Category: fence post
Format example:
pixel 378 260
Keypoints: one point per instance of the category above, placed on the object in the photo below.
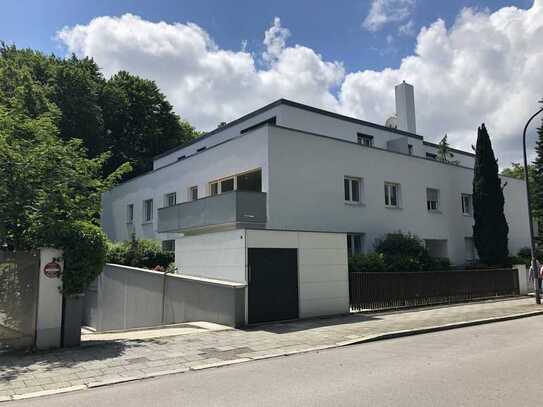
pixel 49 315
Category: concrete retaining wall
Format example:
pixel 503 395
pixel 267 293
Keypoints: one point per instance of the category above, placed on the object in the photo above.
pixel 127 297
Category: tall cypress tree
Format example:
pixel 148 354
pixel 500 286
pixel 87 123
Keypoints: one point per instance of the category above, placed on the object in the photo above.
pixel 537 193
pixel 490 230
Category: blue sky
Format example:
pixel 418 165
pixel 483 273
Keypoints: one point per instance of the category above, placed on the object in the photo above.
pixel 470 61
pixel 331 28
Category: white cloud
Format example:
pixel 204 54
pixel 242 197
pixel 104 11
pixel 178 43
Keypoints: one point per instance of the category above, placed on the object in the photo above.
pixel 387 11
pixel 407 29
pixel 486 67
pixel 206 84
pixel 275 39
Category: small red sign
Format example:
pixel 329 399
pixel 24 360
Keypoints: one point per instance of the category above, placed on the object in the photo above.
pixel 52 270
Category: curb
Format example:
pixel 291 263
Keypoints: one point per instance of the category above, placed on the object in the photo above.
pixel 354 341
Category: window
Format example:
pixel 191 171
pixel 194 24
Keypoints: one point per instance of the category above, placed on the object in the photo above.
pixel 214 188
pixel 432 199
pixel 227 185
pixel 364 140
pixel 392 195
pixel 193 193
pixel 168 245
pixel 467 204
pixel 148 210
pixel 170 199
pixel 250 181
pixel 431 156
pixel 410 149
pixel 355 244
pixel 352 189
pixel 130 213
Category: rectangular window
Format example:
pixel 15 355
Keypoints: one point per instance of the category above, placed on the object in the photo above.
pixel 410 149
pixel 170 199
pixel 130 213
pixel 148 210
pixel 193 193
pixel 168 245
pixel 352 189
pixel 432 199
pixel 467 204
pixel 431 156
pixel 250 181
pixel 355 244
pixel 227 185
pixel 364 140
pixel 214 188
pixel 392 195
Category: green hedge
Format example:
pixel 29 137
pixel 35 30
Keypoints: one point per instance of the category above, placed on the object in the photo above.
pixel 139 253
pixel 84 245
pixel 398 252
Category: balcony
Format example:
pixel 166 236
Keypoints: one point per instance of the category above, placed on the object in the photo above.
pixel 234 209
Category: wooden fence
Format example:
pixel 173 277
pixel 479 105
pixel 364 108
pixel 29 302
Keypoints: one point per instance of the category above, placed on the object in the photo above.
pixel 376 291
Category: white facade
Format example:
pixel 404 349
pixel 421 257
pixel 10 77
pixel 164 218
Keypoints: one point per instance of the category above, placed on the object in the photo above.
pixel 323 285
pixel 304 155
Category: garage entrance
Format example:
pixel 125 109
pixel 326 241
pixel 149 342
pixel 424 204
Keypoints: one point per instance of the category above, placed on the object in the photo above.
pixel 273 284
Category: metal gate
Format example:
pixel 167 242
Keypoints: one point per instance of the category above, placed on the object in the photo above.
pixel 19 276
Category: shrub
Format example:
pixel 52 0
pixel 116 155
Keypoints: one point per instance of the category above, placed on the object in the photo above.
pixel 406 252
pixel 85 247
pixel 139 253
pixel 372 262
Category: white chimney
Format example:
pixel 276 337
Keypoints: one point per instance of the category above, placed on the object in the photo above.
pixel 405 107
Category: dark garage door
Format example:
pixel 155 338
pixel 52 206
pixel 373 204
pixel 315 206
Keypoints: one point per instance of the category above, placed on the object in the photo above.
pixel 273 284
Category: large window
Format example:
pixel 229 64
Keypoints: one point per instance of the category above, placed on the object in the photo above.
pixel 467 204
pixel 364 139
pixel 392 195
pixel 130 213
pixel 170 199
pixel 432 199
pixel 355 244
pixel 248 181
pixel 352 189
pixel 148 210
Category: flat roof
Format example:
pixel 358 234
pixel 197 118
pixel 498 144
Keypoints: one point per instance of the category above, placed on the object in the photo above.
pixel 298 105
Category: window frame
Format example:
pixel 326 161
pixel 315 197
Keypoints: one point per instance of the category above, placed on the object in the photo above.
pixel 147 219
pixel 167 197
pixel 191 194
pixel 470 196
pixel 437 201
pixel 164 246
pixel 364 139
pixel 398 195
pixel 347 179
pixel 351 244
pixel 234 177
pixel 130 213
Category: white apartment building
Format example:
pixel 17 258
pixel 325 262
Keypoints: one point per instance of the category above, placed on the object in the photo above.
pixel 322 185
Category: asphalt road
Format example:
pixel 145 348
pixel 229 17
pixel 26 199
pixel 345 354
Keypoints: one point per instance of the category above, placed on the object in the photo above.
pixel 494 365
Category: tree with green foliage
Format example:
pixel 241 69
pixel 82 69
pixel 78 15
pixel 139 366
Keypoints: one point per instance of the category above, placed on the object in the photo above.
pixel 139 122
pixel 444 153
pixel 125 116
pixel 537 189
pixel 490 231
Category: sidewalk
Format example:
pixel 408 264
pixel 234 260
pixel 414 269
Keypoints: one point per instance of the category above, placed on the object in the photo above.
pixel 113 361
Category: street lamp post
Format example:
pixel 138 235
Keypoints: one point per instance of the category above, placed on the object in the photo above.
pixel 537 280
